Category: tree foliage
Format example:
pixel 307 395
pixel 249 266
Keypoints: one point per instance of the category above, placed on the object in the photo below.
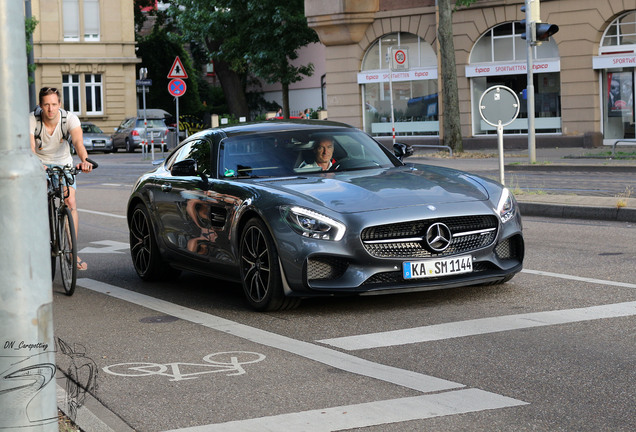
pixel 30 23
pixel 242 37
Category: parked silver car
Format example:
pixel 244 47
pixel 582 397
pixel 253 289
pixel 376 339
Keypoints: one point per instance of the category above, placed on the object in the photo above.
pixel 95 139
pixel 131 132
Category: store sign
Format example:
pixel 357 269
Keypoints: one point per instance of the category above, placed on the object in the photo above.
pixel 516 68
pixel 409 75
pixel 614 61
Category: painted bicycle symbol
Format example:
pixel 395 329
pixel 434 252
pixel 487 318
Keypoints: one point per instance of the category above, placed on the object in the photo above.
pixel 230 362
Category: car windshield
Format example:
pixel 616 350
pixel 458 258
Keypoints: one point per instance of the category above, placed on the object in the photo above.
pixel 288 153
pixel 91 128
pixel 152 123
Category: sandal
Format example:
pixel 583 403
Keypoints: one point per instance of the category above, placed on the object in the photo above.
pixel 81 264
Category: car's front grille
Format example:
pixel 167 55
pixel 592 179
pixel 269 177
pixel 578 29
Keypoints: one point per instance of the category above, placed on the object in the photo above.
pixel 325 268
pixel 510 248
pixel 408 239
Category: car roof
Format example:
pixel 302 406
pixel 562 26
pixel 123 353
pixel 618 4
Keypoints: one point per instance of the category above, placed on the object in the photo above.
pixel 279 126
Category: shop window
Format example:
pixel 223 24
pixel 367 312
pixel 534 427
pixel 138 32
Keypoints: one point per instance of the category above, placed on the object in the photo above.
pixel 499 57
pixel 617 59
pixel 415 104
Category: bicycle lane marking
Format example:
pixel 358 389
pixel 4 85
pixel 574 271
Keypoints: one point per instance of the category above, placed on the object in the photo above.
pixel 453 398
pixel 328 356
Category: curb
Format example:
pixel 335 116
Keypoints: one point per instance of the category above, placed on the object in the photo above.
pixel 579 168
pixel 578 212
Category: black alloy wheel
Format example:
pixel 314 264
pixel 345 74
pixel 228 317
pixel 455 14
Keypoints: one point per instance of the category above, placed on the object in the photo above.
pixel 144 250
pixel 260 272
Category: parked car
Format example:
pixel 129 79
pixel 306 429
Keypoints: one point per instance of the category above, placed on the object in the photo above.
pixel 95 139
pixel 131 132
pixel 243 203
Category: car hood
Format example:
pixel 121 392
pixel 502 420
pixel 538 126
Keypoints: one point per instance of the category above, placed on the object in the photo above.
pixel 379 189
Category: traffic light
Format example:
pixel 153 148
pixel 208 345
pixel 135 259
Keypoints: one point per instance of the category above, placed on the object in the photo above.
pixel 543 31
pixel 538 31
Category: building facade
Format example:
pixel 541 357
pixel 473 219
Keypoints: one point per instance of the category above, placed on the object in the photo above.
pixel 86 48
pixel 583 76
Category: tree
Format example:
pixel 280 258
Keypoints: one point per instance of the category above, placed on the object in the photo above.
pixel 272 51
pixel 247 36
pixel 450 95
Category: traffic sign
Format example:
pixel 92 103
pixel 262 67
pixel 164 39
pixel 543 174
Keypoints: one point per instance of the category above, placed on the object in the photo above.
pixel 177 70
pixel 499 105
pixel 399 58
pixel 177 87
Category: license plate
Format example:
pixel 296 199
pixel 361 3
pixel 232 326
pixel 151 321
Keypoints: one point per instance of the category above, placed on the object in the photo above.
pixel 156 134
pixel 99 143
pixel 437 267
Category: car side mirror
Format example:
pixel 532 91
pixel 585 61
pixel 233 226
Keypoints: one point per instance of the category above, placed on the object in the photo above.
pixel 184 168
pixel 401 150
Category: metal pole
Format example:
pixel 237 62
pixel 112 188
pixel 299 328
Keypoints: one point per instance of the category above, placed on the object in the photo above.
pixel 27 350
pixel 530 87
pixel 500 146
pixel 30 60
pixel 391 94
pixel 177 108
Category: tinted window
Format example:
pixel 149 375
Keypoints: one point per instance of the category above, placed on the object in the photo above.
pixel 199 150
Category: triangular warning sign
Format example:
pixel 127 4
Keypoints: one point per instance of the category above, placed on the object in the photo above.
pixel 177 70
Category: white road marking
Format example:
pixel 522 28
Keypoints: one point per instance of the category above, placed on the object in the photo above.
pixel 368 414
pixel 480 326
pixel 330 357
pixel 110 246
pixel 102 213
pixel 580 279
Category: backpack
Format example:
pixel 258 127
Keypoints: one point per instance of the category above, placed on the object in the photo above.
pixel 37 112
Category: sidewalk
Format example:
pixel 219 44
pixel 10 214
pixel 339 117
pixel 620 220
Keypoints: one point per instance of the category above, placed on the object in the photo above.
pixel 610 208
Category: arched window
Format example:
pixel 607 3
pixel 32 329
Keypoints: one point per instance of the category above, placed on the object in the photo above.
pixel 499 57
pixel 414 89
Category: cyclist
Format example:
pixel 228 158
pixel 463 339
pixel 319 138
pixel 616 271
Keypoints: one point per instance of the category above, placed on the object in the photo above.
pixel 52 147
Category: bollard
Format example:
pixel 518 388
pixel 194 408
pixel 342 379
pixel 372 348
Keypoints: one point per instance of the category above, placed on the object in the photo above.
pixel 27 350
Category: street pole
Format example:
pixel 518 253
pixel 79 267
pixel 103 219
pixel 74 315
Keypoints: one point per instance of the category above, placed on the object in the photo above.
pixel 530 38
pixel 27 350
pixel 30 59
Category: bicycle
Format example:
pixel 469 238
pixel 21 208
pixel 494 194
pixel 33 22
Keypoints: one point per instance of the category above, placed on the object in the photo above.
pixel 61 227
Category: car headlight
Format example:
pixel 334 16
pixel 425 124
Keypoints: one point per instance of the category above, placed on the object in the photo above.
pixel 506 206
pixel 311 224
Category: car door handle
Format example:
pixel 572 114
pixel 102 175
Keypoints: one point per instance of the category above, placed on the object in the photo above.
pixel 166 187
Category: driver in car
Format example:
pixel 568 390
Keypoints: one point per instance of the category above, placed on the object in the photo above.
pixel 323 154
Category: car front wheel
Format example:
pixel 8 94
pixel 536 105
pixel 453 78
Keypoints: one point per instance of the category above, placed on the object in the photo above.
pixel 144 250
pixel 260 273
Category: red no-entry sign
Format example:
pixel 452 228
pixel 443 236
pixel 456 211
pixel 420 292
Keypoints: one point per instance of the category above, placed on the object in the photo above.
pixel 177 87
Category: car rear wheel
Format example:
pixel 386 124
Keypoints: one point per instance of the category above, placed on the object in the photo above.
pixel 260 272
pixel 144 250
pixel 129 147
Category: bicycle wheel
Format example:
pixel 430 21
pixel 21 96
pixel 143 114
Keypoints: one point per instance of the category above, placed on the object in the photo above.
pixel 68 250
pixel 52 233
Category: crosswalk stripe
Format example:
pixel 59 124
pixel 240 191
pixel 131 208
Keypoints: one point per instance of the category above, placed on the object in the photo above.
pixel 480 326
pixel 368 414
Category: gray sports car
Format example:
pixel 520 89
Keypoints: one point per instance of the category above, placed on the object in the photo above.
pixel 299 209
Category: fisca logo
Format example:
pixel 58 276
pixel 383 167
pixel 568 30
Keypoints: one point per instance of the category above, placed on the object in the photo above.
pixel 421 74
pixel 482 70
pixel 371 77
pixel 540 66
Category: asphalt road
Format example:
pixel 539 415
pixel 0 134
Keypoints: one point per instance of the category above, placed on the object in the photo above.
pixel 553 349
